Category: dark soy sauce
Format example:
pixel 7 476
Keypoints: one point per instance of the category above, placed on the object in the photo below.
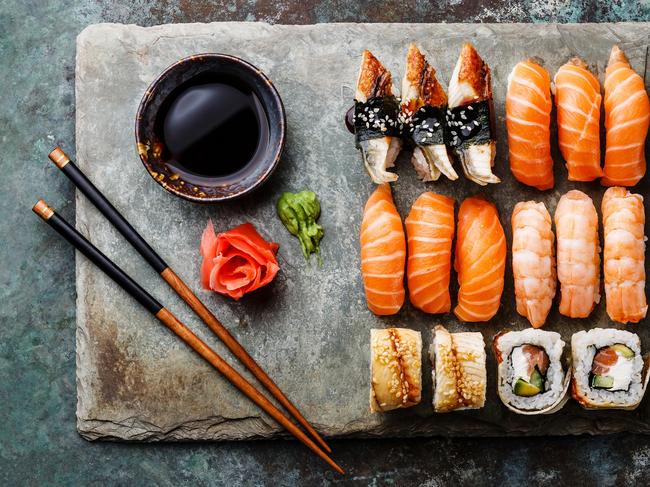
pixel 213 127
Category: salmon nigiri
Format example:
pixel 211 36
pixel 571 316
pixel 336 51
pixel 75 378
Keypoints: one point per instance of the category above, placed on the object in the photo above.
pixel 578 257
pixel 577 95
pixel 528 119
pixel 480 260
pixel 383 252
pixel 624 255
pixel 429 231
pixel 533 261
pixel 627 117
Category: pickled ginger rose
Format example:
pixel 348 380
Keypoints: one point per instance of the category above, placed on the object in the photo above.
pixel 238 261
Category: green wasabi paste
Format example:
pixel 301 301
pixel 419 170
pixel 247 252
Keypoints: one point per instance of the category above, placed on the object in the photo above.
pixel 299 212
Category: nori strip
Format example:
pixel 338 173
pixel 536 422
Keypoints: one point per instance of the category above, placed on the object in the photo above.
pixel 430 116
pixel 370 116
pixel 470 126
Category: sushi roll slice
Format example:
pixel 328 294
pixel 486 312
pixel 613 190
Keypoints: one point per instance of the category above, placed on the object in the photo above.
pixel 376 129
pixel 423 115
pixel 608 369
pixel 395 368
pixel 458 373
pixel 531 378
pixel 471 116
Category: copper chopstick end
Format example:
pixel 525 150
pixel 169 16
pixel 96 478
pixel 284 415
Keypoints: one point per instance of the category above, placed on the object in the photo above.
pixel 58 157
pixel 43 210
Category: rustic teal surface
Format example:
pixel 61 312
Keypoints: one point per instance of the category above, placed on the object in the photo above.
pixel 38 441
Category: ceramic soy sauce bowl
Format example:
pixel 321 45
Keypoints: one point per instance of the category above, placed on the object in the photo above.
pixel 210 128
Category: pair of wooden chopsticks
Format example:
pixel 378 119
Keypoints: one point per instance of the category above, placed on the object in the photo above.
pixel 64 163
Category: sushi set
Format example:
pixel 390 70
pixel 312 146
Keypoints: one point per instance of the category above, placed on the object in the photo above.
pixel 531 378
pixel 466 262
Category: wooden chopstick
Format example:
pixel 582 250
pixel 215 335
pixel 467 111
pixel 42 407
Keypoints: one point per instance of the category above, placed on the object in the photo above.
pixel 72 171
pixel 174 324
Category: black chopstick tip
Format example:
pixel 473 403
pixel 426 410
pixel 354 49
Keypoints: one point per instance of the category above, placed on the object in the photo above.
pixel 43 210
pixel 58 157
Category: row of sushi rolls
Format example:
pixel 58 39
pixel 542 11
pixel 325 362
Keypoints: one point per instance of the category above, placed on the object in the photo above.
pixel 605 367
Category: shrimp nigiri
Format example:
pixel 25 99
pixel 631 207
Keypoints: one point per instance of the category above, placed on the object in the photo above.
pixel 627 117
pixel 624 255
pixel 577 95
pixel 424 108
pixel 376 128
pixel 480 260
pixel 578 254
pixel 471 116
pixel 383 253
pixel 533 261
pixel 528 119
pixel 429 232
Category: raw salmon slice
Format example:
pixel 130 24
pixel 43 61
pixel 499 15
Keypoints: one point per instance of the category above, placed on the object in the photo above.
pixel 537 357
pixel 603 361
pixel 627 116
pixel 577 97
pixel 480 260
pixel 528 119
pixel 430 231
pixel 383 253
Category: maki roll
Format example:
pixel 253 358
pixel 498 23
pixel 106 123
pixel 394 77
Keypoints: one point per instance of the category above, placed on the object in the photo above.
pixel 471 116
pixel 530 376
pixel 458 373
pixel 376 129
pixel 395 368
pixel 423 116
pixel 608 369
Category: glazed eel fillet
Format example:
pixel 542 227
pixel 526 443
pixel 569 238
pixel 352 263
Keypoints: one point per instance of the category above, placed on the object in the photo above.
pixel 470 116
pixel 376 127
pixel 424 105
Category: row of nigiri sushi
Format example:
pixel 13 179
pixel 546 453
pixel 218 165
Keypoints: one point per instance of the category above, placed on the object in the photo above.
pixel 481 254
pixel 578 256
pixel 464 122
pixel 426 118
pixel 605 370
pixel 578 99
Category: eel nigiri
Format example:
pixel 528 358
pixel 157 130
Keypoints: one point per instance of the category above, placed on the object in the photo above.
pixel 624 255
pixel 577 95
pixel 528 119
pixel 376 127
pixel 627 117
pixel 423 113
pixel 470 116
pixel 578 257
pixel 480 260
pixel 533 261
pixel 383 253
pixel 429 232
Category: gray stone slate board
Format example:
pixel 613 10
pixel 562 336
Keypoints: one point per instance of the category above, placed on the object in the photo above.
pixel 309 328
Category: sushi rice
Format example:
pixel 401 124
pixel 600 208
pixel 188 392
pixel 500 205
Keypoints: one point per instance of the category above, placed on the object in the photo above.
pixel 584 346
pixel 556 382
